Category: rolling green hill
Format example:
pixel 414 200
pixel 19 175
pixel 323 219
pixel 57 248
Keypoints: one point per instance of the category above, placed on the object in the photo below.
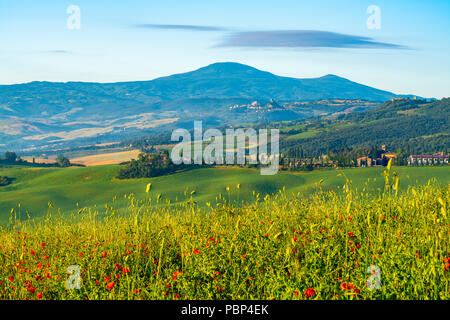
pixel 34 188
pixel 412 125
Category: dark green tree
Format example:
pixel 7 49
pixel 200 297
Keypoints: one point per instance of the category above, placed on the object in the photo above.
pixel 62 161
pixel 10 156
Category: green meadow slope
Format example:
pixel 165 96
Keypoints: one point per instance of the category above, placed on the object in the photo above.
pixel 34 188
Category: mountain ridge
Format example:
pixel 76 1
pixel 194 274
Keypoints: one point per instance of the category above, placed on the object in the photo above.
pixel 230 69
pixel 42 112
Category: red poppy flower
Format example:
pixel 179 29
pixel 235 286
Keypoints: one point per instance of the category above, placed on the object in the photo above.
pixel 309 292
pixel 176 274
pixel 347 286
pixel 110 285
pixel 125 270
pixel 39 295
pixel 196 251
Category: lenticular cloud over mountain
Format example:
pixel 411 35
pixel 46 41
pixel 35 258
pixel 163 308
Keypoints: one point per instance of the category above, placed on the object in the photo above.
pixel 303 38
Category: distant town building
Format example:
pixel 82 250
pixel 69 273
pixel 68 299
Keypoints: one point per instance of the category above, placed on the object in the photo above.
pixel 427 159
pixel 382 159
pixel 364 162
pixel 390 155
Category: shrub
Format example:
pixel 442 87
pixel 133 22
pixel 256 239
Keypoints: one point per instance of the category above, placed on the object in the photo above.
pixel 4 181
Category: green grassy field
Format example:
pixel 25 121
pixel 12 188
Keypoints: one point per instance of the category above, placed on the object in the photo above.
pixel 335 245
pixel 34 188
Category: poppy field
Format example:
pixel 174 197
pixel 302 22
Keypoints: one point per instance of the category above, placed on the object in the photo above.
pixel 341 244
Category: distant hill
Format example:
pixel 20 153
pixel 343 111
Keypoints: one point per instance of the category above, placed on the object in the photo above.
pixel 234 80
pixel 37 114
pixel 412 125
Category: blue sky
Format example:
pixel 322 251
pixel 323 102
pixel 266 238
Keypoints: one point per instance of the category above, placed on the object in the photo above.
pixel 142 40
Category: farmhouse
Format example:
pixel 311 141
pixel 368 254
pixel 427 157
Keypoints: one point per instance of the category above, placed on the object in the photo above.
pixel 365 162
pixel 383 156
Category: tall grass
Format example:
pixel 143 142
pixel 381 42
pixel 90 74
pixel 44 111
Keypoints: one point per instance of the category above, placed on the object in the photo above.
pixel 281 246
